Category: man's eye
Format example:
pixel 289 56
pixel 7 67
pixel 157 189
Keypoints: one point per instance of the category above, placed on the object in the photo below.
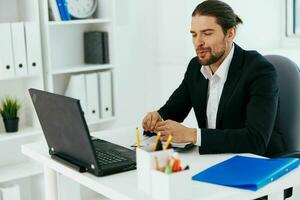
pixel 207 34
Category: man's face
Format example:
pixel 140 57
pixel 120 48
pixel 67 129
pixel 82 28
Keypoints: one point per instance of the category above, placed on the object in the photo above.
pixel 209 40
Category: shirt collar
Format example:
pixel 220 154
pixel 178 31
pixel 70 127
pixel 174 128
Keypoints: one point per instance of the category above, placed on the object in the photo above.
pixel 222 71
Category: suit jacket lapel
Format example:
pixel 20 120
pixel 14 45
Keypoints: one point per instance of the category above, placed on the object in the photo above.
pixel 232 79
pixel 202 94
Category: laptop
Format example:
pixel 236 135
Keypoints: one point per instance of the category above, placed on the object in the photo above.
pixel 69 140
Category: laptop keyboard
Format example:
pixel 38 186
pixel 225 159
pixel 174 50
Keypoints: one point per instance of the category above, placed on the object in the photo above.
pixel 104 157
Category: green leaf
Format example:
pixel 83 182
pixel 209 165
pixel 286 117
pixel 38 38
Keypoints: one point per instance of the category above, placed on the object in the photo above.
pixel 9 108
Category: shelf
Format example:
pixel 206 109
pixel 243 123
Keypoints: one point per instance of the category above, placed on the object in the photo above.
pixel 22 133
pixel 18 77
pixel 81 68
pixel 99 198
pixel 101 121
pixel 19 170
pixel 78 22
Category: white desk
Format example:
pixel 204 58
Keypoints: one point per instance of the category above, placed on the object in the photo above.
pixel 124 185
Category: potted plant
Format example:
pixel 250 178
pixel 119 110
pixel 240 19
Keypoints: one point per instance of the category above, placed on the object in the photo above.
pixel 9 110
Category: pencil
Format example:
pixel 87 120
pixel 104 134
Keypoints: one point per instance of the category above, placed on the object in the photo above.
pixel 168 142
pixel 156 141
pixel 156 163
pixel 138 141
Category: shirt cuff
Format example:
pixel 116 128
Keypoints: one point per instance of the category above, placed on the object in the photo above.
pixel 198 141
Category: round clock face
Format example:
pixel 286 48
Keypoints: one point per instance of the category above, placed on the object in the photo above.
pixel 81 8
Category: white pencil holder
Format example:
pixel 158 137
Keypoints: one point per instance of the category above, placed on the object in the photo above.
pixel 145 163
pixel 175 186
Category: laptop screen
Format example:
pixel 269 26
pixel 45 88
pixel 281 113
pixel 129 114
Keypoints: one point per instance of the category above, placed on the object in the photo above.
pixel 64 126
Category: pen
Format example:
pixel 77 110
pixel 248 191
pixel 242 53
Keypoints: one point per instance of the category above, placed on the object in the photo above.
pixel 168 142
pixel 176 165
pixel 186 167
pixel 138 141
pixel 156 141
pixel 168 169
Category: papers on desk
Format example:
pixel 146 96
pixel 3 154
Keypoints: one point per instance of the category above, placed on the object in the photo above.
pixel 179 145
pixel 148 142
pixel 247 172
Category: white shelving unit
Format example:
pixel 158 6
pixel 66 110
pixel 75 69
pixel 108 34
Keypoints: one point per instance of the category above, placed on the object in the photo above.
pixel 85 21
pixel 63 49
pixel 81 68
pixel 19 171
pixel 24 132
pixel 15 168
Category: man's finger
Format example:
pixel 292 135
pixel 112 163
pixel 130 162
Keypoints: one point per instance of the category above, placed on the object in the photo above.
pixel 144 124
pixel 153 122
pixel 149 120
pixel 162 129
pixel 161 123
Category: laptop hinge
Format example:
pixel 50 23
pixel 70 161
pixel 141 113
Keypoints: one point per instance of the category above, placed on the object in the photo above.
pixel 68 162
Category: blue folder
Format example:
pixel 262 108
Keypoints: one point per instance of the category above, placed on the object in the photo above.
pixel 66 10
pixel 60 6
pixel 247 172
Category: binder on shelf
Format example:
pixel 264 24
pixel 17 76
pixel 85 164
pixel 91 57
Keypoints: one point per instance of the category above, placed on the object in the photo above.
pixel 93 47
pixel 53 11
pixel 247 172
pixel 6 52
pixel 105 94
pixel 105 47
pixel 10 193
pixel 61 9
pixel 77 89
pixel 19 49
pixel 96 47
pixel 92 93
pixel 33 48
pixel 66 10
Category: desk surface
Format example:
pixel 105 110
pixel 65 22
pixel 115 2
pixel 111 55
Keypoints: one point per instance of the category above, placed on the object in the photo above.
pixel 124 185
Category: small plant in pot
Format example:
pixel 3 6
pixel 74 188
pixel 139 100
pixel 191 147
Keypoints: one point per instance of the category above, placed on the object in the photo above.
pixel 9 111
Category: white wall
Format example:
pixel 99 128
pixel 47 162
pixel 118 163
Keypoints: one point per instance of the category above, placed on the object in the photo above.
pixel 136 47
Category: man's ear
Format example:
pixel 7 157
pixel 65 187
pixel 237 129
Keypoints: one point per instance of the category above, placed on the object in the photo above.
pixel 231 33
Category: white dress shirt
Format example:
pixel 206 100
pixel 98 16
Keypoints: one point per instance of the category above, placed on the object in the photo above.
pixel 215 88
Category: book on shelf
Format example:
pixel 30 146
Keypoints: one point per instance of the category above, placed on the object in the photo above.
pixel 33 48
pixel 77 89
pixel 105 92
pixel 6 51
pixel 105 42
pixel 66 10
pixel 11 192
pixel 94 90
pixel 54 14
pixel 92 93
pixel 19 48
pixel 96 47
pixel 62 10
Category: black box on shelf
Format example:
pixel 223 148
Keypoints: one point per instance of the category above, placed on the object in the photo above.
pixel 96 47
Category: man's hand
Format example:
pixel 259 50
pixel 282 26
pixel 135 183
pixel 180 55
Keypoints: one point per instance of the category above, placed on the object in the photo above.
pixel 150 121
pixel 179 132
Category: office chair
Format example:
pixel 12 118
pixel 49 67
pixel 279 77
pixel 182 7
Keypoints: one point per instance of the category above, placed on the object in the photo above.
pixel 288 113
pixel 288 118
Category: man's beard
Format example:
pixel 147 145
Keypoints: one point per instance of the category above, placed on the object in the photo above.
pixel 213 58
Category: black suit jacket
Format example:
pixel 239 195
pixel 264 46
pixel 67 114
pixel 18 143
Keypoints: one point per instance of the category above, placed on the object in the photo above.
pixel 247 108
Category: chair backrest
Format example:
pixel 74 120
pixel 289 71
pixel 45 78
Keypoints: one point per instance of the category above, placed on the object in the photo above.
pixel 288 114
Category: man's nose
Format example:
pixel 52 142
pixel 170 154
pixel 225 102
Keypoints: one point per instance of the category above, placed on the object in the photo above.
pixel 199 41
